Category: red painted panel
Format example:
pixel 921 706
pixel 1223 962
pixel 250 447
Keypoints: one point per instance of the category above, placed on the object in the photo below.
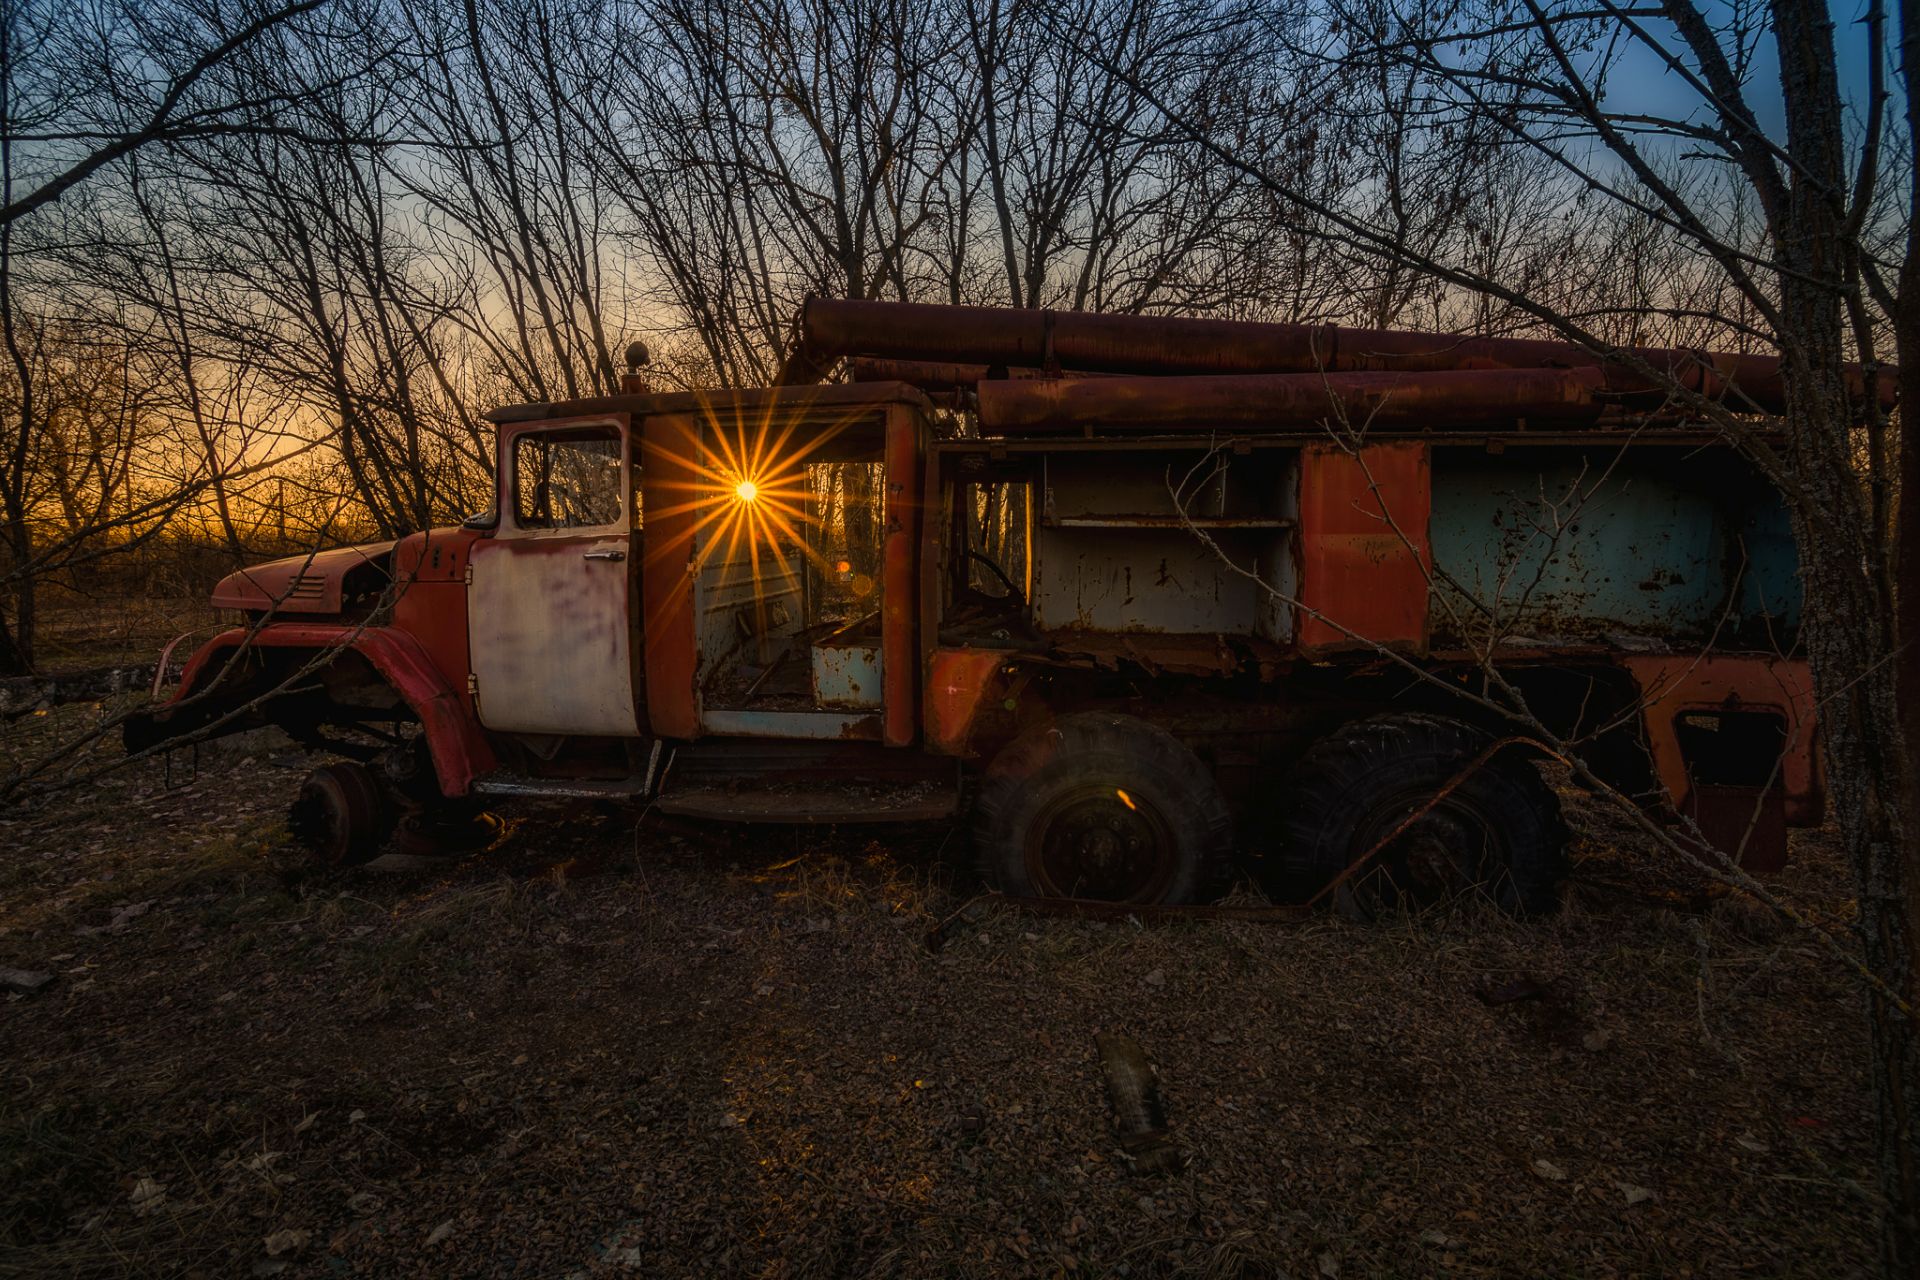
pixel 430 570
pixel 670 487
pixel 898 652
pixel 438 555
pixel 307 583
pixel 1671 685
pixel 958 682
pixel 460 749
pixel 1365 560
pixel 933 523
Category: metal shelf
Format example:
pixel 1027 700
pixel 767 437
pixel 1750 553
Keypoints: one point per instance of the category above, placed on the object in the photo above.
pixel 1166 522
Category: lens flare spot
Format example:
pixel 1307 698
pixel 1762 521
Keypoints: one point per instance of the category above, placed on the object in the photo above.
pixel 1125 799
pixel 746 491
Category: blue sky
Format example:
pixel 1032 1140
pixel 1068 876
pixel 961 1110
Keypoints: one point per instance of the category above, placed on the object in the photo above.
pixel 1641 82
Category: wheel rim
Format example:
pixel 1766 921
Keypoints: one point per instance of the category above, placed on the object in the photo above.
pixel 1101 843
pixel 333 818
pixel 319 821
pixel 1446 849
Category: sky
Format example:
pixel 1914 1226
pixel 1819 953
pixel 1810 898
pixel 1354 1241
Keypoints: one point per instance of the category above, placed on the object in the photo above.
pixel 1643 82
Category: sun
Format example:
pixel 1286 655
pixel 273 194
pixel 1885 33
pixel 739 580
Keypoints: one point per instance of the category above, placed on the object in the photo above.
pixel 746 491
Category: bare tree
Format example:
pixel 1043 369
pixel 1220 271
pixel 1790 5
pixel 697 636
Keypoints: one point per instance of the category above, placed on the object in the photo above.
pixel 81 95
pixel 1807 257
pixel 86 92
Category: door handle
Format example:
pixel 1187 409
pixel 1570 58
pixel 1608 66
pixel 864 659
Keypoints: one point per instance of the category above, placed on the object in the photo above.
pixel 603 555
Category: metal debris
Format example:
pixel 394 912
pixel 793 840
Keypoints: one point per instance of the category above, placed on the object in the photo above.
pixel 26 982
pixel 1139 1112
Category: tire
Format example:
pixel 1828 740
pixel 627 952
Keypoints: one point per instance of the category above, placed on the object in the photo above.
pixel 1103 807
pixel 1498 833
pixel 342 815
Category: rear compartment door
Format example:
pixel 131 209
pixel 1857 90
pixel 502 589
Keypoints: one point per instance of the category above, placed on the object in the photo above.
pixel 549 603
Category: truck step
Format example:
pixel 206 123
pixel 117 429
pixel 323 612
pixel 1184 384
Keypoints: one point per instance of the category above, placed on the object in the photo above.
pixel 562 788
pixel 818 802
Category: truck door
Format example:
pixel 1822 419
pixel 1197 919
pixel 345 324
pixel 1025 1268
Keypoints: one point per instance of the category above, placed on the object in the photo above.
pixel 780 591
pixel 550 633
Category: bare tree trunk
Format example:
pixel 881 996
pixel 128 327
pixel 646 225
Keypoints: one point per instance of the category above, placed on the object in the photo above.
pixel 1897 1059
pixel 1850 630
pixel 13 662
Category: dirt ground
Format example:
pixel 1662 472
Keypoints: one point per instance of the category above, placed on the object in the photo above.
pixel 609 1049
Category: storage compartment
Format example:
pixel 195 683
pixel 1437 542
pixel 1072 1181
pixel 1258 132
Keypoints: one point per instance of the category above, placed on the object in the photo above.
pixel 1658 546
pixel 846 666
pixel 1114 550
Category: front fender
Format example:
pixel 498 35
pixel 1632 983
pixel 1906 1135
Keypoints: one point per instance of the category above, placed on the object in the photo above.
pixel 459 747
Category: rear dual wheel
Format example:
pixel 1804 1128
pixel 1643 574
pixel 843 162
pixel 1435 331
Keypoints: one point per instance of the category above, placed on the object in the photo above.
pixel 1103 807
pixel 1106 807
pixel 1404 793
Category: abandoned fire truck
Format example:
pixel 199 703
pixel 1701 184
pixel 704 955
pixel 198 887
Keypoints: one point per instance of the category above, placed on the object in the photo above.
pixel 1135 598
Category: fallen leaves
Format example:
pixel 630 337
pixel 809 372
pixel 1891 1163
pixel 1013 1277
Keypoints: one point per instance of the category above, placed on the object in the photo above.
pixel 123 915
pixel 147 1197
pixel 1353 1107
pixel 287 1240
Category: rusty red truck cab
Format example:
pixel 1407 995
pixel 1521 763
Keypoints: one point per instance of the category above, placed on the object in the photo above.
pixel 1136 636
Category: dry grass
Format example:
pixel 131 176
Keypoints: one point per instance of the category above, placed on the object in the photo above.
pixel 689 1052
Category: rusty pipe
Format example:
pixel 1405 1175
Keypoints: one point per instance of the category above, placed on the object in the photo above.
pixel 941 375
pixel 833 328
pixel 1296 401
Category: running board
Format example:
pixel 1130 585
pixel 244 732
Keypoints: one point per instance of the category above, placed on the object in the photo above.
pixel 821 802
pixel 562 788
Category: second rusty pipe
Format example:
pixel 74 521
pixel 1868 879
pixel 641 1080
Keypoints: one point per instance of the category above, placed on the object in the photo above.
pixel 1004 337
pixel 1295 401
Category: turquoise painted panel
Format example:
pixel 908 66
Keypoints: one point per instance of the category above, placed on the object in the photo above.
pixel 1654 546
pixel 1770 580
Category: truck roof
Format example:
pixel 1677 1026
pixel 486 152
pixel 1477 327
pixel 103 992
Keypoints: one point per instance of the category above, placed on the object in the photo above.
pixel 730 401
pixel 735 402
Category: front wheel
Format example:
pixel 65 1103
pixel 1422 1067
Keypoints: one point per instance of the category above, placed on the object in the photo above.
pixel 1103 807
pixel 342 815
pixel 1380 786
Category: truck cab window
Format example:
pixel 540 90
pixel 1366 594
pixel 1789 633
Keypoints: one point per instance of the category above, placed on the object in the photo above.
pixel 567 479
pixel 844 528
pixel 989 584
pixel 998 517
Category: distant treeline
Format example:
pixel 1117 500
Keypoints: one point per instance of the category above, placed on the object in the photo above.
pixel 293 251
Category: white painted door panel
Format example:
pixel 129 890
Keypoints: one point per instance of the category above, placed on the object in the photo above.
pixel 549 635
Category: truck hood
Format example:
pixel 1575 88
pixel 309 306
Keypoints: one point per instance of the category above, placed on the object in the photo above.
pixel 322 582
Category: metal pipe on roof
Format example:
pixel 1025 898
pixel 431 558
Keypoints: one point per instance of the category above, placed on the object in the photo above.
pixel 942 375
pixel 1003 337
pixel 1294 401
